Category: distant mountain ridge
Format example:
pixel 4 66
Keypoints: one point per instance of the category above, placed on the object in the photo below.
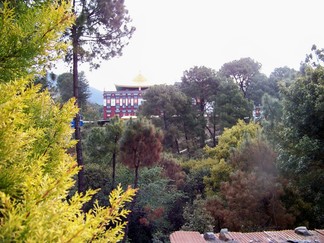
pixel 96 96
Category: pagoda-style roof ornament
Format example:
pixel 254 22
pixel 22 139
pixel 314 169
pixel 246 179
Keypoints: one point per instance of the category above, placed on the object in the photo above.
pixel 138 83
pixel 140 79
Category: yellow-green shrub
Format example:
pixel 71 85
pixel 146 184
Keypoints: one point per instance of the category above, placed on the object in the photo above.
pixel 36 173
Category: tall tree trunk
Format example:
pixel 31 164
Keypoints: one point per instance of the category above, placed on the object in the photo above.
pixel 165 122
pixel 114 163
pixel 113 170
pixel 214 127
pixel 203 122
pixel 81 183
pixel 132 206
pixel 177 145
pixel 202 130
pixel 136 177
pixel 187 140
pixel 214 135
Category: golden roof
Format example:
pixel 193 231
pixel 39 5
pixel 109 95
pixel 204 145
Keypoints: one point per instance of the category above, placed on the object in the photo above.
pixel 138 81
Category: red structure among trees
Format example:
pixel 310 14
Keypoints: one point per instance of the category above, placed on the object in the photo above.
pixel 126 99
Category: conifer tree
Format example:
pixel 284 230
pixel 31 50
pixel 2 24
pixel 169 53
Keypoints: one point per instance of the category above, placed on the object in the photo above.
pixel 36 172
pixel 102 144
pixel 301 149
pixel 100 32
pixel 200 83
pixel 30 36
pixel 140 146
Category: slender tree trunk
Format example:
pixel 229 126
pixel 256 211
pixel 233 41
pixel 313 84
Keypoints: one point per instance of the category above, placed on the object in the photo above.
pixel 214 134
pixel 202 130
pixel 202 106
pixel 113 170
pixel 203 122
pixel 177 145
pixel 81 184
pixel 136 177
pixel 214 127
pixel 165 122
pixel 132 205
pixel 243 88
pixel 186 137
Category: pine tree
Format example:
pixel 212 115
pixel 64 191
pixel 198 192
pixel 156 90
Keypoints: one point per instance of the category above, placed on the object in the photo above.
pixel 140 146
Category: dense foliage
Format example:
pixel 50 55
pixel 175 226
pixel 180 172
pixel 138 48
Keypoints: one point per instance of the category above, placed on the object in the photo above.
pixel 29 36
pixel 252 176
pixel 65 88
pixel 243 72
pixel 36 170
pixel 140 146
pixel 302 146
pixel 221 167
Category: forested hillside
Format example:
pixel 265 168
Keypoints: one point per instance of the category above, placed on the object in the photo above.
pixel 228 148
pixel 224 164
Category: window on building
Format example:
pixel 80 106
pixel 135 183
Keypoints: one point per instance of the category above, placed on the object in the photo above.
pixel 113 103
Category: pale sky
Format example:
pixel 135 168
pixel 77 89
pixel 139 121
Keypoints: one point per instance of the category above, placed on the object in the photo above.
pixel 175 35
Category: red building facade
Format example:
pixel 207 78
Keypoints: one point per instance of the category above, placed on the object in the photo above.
pixel 125 101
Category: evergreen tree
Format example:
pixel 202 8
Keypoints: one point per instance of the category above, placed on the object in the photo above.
pixel 272 118
pixel 260 85
pixel 140 146
pixel 30 35
pixel 102 145
pixel 100 32
pixel 197 218
pixel 167 106
pixel 200 83
pixel 242 71
pixel 36 173
pixel 301 150
pixel 281 76
pixel 65 87
pixel 228 106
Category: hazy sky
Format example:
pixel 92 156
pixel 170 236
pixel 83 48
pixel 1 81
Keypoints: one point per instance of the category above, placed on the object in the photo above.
pixel 175 35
